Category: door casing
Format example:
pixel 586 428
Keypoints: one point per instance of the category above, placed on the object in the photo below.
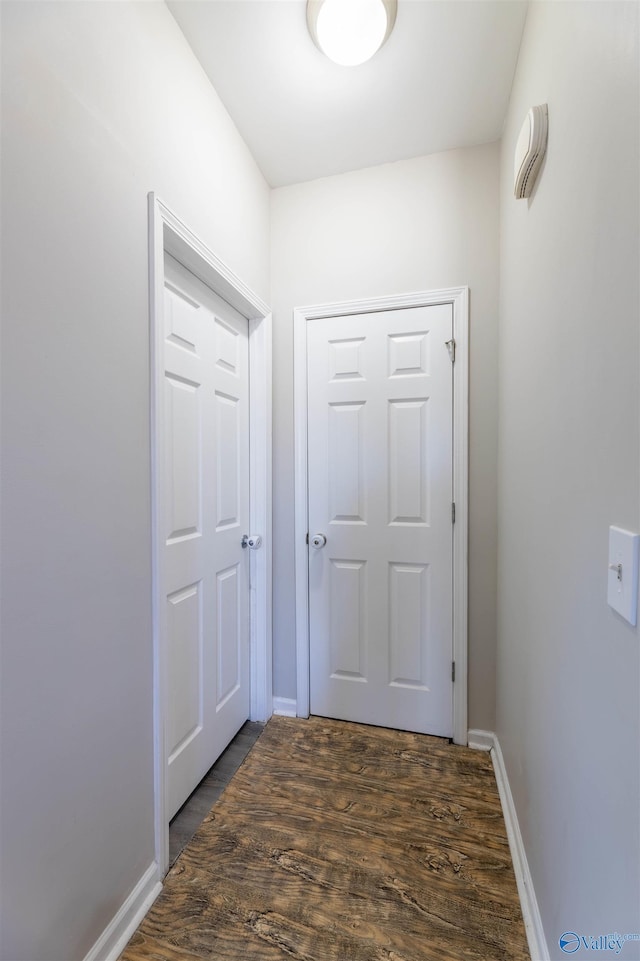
pixel 168 233
pixel 458 297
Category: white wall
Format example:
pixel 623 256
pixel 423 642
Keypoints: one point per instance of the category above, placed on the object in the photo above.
pixel 102 102
pixel 414 225
pixel 568 667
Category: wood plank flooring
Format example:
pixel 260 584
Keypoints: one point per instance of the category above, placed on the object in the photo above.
pixel 197 806
pixel 341 842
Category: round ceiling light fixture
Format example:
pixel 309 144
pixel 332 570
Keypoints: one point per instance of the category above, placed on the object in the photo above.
pixel 350 32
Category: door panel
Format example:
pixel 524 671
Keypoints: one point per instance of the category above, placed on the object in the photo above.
pixel 380 467
pixel 346 488
pixel 205 489
pixel 347 600
pixel 182 438
pixel 229 634
pixel 408 625
pixel 229 428
pixel 184 614
pixel 408 467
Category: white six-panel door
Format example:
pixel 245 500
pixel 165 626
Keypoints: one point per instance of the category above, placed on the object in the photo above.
pixel 206 497
pixel 380 490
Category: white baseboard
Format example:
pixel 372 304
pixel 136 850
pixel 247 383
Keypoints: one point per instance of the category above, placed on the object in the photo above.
pixel 113 939
pixel 488 741
pixel 481 740
pixel 285 706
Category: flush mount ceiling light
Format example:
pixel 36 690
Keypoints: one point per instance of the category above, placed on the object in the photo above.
pixel 350 32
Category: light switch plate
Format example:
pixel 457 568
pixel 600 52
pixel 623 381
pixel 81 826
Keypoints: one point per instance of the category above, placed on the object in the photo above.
pixel 622 591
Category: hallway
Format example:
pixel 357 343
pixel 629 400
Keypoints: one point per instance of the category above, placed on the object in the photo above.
pixel 339 841
pixel 104 104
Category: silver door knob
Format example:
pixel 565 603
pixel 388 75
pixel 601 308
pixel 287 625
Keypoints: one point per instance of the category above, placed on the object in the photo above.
pixel 318 541
pixel 253 541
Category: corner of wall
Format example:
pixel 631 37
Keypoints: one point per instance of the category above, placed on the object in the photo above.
pixel 488 741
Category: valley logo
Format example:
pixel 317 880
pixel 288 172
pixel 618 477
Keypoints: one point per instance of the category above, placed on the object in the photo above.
pixel 570 942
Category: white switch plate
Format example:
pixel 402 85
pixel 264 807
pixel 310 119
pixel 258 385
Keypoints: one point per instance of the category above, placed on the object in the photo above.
pixel 622 592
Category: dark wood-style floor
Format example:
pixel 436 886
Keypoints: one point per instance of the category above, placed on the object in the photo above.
pixel 340 842
pixel 197 806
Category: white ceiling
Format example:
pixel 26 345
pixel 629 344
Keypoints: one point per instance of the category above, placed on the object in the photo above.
pixel 441 81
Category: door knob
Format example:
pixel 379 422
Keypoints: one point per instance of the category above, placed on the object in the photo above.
pixel 254 541
pixel 318 541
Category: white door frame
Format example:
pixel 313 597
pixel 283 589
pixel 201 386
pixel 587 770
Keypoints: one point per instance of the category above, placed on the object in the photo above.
pixel 458 297
pixel 168 233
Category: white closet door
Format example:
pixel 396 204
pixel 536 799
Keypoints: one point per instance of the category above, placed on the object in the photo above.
pixel 205 492
pixel 380 449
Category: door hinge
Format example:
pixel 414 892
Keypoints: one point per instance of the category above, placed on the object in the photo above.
pixel 451 347
pixel 307 538
pixel 453 670
pixel 453 512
